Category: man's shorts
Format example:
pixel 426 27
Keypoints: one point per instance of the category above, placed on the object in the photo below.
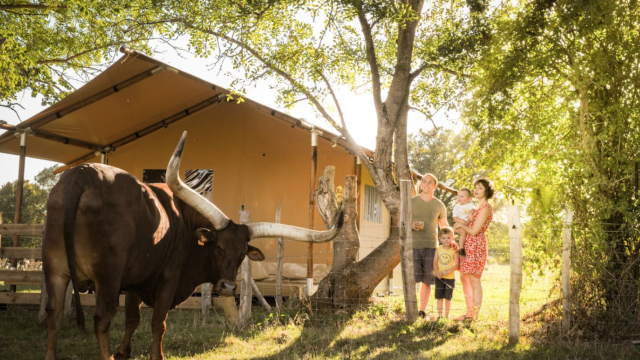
pixel 444 288
pixel 423 265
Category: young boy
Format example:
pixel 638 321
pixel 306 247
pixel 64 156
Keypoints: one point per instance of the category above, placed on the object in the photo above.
pixel 445 262
pixel 461 212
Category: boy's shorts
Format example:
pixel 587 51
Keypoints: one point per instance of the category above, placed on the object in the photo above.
pixel 444 288
pixel 423 265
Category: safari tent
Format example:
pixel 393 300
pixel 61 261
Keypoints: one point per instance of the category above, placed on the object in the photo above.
pixel 132 115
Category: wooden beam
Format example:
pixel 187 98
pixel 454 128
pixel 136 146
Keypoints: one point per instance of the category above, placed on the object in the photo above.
pixel 21 276
pixel 19 298
pixel 41 121
pixel 148 130
pixel 65 140
pixel 21 229
pixel 5 126
pixel 21 253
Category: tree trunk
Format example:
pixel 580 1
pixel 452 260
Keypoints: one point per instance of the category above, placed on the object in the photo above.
pixel 351 282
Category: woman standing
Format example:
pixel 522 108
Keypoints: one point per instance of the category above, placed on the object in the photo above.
pixel 472 265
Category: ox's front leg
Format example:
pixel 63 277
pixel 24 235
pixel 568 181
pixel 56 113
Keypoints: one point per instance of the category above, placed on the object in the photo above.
pixel 132 304
pixel 164 299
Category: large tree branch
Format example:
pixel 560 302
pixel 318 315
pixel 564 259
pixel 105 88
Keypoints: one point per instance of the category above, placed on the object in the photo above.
pixel 70 58
pixel 401 78
pixel 297 85
pixel 10 106
pixel 371 58
pixel 428 65
pixel 333 95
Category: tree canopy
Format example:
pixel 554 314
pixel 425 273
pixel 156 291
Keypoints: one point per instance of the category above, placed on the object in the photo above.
pixel 49 46
pixel 555 121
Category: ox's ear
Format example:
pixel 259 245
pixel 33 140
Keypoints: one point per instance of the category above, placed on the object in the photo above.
pixel 205 235
pixel 255 254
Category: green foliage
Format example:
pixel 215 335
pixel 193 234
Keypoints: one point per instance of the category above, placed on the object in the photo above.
pixel 49 43
pixel 554 117
pixel 437 151
pixel 34 203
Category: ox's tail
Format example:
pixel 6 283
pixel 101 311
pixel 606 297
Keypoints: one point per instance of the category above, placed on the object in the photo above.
pixel 72 193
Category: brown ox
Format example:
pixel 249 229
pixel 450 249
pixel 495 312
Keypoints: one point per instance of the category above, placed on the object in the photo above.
pixel 109 232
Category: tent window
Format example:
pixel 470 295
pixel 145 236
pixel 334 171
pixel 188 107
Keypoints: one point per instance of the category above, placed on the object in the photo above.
pixel 372 204
pixel 199 180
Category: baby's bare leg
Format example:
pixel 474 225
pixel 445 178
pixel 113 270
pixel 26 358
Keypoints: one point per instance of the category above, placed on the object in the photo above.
pixel 463 237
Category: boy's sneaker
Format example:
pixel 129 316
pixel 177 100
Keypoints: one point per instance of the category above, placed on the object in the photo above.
pixel 422 314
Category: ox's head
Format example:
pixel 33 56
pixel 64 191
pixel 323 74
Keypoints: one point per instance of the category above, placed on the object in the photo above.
pixel 228 248
pixel 231 240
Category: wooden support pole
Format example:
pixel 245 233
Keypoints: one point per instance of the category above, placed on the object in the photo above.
pixel 312 206
pixel 279 265
pixel 19 196
pixel 515 246
pixel 205 296
pixel 566 269
pixel 406 251
pixel 358 173
pixel 205 289
pixel 259 296
pixel 245 285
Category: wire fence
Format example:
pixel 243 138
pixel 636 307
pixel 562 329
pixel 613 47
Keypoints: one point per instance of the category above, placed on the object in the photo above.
pixel 596 305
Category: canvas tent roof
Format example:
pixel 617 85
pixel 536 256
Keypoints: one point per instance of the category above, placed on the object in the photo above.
pixel 133 97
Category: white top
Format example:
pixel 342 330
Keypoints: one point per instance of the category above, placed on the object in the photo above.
pixel 463 211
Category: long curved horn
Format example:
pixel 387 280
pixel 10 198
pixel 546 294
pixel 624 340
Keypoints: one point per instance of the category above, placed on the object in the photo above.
pixel 197 201
pixel 262 230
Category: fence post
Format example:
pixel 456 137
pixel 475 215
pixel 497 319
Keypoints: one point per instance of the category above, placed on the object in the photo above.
pixel 566 269
pixel 279 265
pixel 245 285
pixel 19 195
pixel 406 251
pixel 515 247
pixel 261 298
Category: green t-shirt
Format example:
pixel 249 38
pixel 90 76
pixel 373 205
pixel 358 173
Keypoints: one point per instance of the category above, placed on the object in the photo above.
pixel 430 212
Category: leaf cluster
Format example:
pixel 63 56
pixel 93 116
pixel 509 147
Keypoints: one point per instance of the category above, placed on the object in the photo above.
pixel 54 44
pixel 554 120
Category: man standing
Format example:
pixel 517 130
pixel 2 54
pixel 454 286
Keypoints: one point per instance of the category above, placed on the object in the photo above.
pixel 427 213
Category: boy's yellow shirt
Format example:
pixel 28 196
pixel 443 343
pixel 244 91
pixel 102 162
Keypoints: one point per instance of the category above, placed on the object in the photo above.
pixel 446 260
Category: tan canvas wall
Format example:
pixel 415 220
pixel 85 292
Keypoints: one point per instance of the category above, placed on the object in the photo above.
pixel 258 161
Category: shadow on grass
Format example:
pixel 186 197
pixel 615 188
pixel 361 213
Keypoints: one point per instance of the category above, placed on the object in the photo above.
pixel 326 334
pixel 359 335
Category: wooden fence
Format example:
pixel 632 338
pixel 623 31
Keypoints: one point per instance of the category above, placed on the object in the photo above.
pixel 35 277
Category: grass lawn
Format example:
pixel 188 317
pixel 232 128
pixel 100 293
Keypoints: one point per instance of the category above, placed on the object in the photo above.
pixel 375 332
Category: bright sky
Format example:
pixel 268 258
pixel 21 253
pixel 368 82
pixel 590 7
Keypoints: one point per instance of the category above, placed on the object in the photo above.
pixel 358 110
